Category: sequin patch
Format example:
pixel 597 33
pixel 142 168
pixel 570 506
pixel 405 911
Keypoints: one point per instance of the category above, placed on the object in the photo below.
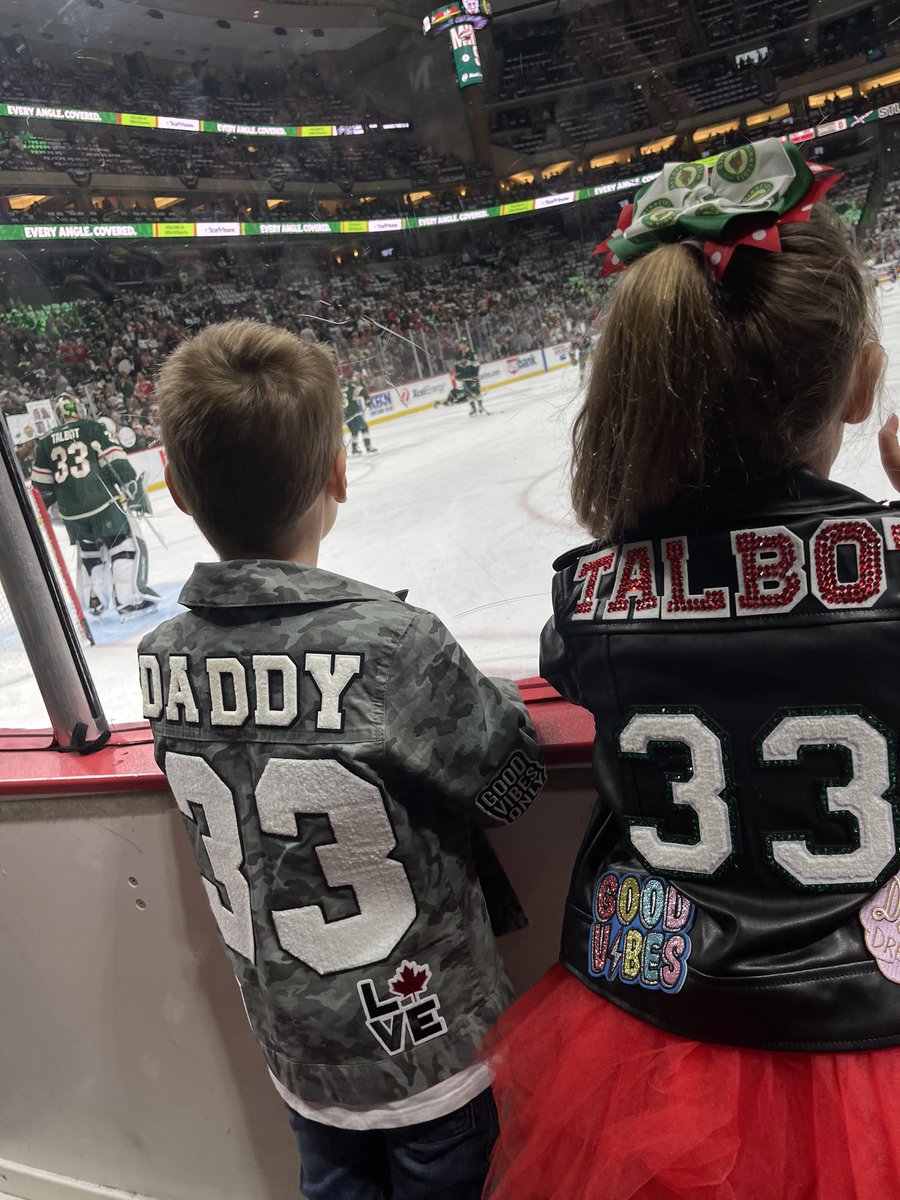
pixel 880 919
pixel 590 568
pixel 869 583
pixel 639 934
pixel 770 563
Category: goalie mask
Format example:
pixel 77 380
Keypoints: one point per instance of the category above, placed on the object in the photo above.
pixel 68 407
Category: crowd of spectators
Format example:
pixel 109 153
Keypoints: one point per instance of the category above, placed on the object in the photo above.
pixel 203 92
pixel 112 151
pixel 392 323
pixel 576 62
pixel 645 40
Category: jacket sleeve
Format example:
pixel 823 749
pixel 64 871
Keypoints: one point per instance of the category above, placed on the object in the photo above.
pixel 464 738
pixel 556 665
pixel 42 472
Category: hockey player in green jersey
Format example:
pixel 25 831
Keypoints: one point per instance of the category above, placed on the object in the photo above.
pixel 466 372
pixel 78 468
pixel 354 413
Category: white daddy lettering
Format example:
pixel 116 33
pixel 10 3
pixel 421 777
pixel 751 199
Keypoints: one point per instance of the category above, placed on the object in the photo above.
pixel 266 689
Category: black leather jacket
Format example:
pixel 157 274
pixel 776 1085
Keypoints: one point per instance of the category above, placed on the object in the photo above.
pixel 742 661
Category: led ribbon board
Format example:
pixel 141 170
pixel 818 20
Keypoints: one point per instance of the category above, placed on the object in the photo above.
pixel 49 112
pixel 199 229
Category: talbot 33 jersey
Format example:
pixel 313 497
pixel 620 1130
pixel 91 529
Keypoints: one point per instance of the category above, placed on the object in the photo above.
pixel 742 661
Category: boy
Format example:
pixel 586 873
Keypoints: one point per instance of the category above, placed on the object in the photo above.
pixel 331 749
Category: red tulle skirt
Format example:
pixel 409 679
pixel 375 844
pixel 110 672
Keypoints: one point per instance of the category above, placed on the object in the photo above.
pixel 598 1105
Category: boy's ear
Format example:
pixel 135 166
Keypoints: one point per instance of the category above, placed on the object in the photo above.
pixel 866 378
pixel 173 491
pixel 336 485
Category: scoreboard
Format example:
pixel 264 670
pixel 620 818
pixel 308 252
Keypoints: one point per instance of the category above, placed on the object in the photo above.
pixel 461 19
pixel 476 13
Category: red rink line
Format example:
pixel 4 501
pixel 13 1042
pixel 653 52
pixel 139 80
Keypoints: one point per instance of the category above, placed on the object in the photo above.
pixel 30 766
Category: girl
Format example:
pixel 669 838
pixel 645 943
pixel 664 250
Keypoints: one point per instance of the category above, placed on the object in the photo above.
pixel 725 1017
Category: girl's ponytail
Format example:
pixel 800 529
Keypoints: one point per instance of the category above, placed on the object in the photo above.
pixel 691 375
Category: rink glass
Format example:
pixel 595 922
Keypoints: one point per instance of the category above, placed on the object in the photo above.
pixel 392 186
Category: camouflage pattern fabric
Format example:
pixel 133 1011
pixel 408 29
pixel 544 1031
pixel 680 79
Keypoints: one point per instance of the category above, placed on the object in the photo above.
pixel 336 844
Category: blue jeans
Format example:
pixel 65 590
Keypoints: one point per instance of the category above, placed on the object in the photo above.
pixel 446 1159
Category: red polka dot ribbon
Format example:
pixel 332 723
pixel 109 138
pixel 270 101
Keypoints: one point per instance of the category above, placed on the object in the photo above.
pixel 740 199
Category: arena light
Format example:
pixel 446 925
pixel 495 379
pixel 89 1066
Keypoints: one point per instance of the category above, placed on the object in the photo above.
pixel 866 85
pixel 770 114
pixel 657 147
pixel 819 98
pixel 607 160
pixel 703 135
pixel 555 169
pixel 23 202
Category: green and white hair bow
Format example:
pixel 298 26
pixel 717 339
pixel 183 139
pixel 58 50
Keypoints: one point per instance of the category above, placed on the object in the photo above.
pixel 739 199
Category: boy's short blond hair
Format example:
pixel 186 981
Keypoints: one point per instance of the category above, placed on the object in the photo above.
pixel 251 421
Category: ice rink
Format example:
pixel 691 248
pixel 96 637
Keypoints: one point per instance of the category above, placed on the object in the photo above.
pixel 468 513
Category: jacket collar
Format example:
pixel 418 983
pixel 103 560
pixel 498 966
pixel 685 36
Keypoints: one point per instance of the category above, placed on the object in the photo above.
pixel 258 582
pixel 734 501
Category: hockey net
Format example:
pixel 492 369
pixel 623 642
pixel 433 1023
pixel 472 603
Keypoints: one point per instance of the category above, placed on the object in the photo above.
pixel 14 665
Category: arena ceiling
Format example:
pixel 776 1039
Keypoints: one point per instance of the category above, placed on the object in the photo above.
pixel 218 30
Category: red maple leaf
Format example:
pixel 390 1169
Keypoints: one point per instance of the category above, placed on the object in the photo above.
pixel 410 979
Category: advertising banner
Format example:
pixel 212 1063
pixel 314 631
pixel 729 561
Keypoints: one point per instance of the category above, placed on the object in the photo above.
pixel 21 428
pixel 505 370
pixel 557 356
pixel 149 463
pixel 41 415
pixel 423 391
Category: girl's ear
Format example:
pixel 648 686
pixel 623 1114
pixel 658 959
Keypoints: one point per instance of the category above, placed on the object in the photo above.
pixel 866 378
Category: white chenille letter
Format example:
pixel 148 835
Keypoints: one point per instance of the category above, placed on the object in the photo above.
pixel 151 685
pixel 264 666
pixel 180 692
pixel 332 674
pixel 220 715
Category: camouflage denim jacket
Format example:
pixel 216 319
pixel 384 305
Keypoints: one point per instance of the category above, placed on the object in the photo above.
pixel 332 750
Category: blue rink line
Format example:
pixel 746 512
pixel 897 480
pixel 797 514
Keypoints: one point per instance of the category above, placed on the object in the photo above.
pixel 110 630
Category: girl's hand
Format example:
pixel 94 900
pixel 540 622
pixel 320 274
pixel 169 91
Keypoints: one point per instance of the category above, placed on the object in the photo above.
pixel 889 448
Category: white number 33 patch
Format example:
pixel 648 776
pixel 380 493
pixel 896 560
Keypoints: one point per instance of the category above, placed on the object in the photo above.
pixel 358 857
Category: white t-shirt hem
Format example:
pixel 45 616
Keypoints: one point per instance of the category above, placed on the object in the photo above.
pixel 438 1101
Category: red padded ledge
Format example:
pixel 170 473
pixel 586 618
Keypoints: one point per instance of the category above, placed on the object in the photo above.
pixel 30 766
